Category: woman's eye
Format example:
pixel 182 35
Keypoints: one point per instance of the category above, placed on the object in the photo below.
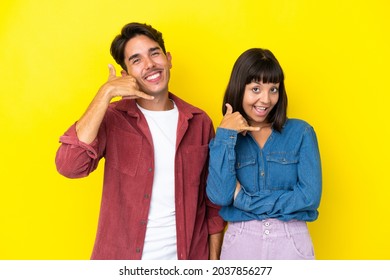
pixel 256 89
pixel 274 90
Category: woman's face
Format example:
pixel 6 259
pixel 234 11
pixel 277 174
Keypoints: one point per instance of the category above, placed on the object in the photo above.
pixel 259 99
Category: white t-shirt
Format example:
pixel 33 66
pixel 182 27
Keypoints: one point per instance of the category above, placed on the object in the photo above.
pixel 160 239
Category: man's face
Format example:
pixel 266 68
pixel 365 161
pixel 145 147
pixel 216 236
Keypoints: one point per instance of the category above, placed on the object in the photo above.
pixel 148 64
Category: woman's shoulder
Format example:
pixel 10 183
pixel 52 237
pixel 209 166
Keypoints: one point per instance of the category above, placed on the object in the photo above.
pixel 297 124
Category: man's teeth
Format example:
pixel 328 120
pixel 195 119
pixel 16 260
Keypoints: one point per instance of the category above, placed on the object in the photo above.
pixel 153 76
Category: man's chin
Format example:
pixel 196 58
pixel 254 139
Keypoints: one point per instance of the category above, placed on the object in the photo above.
pixel 155 93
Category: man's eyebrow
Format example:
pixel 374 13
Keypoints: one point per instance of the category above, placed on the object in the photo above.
pixel 133 56
pixel 137 54
pixel 154 49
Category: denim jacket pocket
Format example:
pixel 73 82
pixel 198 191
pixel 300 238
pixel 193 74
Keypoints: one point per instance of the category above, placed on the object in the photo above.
pixel 246 171
pixel 282 171
pixel 123 151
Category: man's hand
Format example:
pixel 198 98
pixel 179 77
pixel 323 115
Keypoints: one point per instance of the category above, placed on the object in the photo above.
pixel 236 121
pixel 124 86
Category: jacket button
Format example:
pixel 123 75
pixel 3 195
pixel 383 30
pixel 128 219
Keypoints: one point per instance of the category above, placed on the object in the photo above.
pixel 138 250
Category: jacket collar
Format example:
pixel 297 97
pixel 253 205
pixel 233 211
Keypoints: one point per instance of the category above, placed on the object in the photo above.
pixel 129 106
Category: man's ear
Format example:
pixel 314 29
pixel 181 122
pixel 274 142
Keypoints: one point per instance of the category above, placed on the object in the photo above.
pixel 169 58
pixel 124 73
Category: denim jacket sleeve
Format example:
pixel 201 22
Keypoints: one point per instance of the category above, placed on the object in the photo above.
pixel 305 195
pixel 221 181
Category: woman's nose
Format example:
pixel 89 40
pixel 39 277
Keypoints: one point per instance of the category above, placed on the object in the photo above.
pixel 264 97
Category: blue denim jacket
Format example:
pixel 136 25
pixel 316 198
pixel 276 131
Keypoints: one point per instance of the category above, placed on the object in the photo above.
pixel 282 180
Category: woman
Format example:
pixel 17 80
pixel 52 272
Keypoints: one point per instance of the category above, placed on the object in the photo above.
pixel 265 169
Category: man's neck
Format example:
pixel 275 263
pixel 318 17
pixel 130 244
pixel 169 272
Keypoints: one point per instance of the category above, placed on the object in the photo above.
pixel 159 103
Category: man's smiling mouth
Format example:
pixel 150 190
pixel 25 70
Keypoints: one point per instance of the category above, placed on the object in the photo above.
pixel 153 76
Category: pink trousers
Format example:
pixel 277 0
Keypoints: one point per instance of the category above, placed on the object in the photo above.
pixel 269 239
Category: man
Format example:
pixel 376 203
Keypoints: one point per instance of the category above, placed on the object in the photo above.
pixel 155 146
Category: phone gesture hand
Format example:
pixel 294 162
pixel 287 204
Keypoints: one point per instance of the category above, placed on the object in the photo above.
pixel 235 121
pixel 125 86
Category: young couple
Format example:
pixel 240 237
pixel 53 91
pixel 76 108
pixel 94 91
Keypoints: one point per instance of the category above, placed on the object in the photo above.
pixel 171 183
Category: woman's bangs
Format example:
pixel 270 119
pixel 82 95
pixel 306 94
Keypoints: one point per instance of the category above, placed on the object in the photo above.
pixel 266 72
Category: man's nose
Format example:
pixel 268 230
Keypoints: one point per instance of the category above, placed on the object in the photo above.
pixel 149 63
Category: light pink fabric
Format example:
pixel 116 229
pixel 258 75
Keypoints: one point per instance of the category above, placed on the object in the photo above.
pixel 269 239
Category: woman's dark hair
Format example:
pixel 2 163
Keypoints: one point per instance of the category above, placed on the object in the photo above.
pixel 258 65
pixel 128 32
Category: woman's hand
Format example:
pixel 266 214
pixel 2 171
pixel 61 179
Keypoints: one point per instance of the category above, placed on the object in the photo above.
pixel 235 121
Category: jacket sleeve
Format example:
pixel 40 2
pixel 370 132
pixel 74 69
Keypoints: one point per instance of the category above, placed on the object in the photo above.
pixel 305 195
pixel 76 159
pixel 215 222
pixel 221 182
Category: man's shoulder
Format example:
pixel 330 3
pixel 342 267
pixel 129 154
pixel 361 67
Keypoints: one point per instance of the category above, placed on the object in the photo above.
pixel 188 107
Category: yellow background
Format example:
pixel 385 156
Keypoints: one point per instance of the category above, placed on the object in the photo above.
pixel 54 56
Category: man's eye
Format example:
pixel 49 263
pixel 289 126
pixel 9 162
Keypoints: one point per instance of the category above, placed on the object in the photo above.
pixel 136 60
pixel 155 53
